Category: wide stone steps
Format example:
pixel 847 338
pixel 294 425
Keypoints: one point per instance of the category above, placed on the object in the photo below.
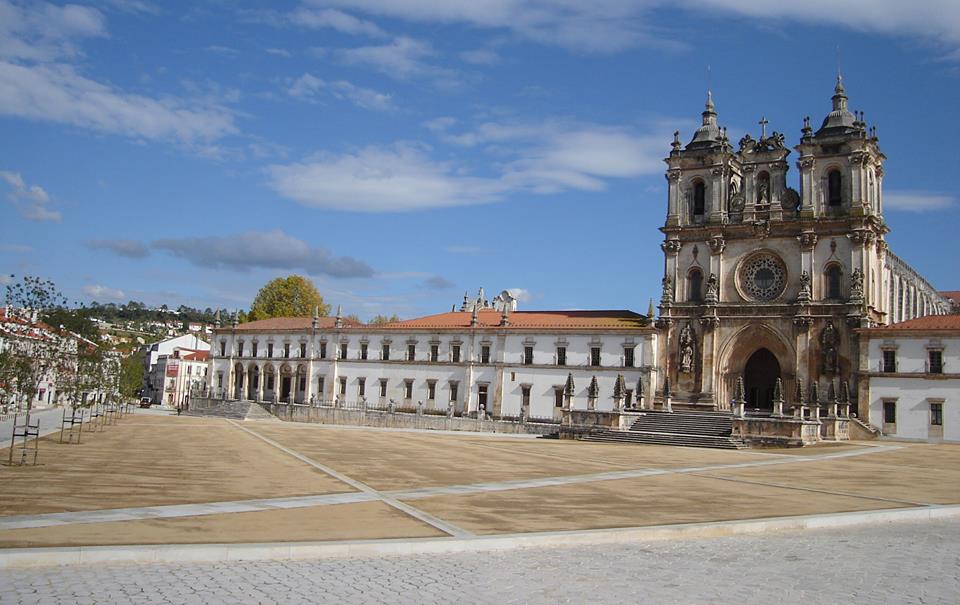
pixel 674 439
pixel 686 423
pixel 234 410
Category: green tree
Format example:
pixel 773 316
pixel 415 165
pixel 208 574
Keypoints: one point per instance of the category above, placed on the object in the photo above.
pixel 383 319
pixel 291 296
pixel 131 374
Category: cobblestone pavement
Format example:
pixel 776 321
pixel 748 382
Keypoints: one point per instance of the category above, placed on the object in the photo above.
pixel 898 563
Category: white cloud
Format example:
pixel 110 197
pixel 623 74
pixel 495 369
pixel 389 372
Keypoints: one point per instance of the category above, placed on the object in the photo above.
pixel 262 250
pixel 57 93
pixel 280 52
pixel 403 58
pixel 98 292
pixel 334 19
pixel 520 294
pixel 439 124
pixel 480 56
pixel 121 247
pixel 917 201
pixel 39 31
pixel 542 158
pixel 310 88
pixel 31 200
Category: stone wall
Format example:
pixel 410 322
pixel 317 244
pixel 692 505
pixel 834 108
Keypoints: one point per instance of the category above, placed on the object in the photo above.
pixel 402 420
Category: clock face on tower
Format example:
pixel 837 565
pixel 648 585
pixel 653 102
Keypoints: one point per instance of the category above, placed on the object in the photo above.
pixel 762 277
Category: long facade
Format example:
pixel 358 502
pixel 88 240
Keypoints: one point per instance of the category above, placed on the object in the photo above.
pixel 497 363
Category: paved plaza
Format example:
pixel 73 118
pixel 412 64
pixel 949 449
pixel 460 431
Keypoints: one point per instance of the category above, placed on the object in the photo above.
pixel 895 563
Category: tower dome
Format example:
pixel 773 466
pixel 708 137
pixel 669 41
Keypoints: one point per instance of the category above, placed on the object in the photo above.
pixel 708 135
pixel 840 120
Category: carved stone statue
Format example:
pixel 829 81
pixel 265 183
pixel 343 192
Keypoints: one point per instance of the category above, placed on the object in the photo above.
pixel 686 349
pixel 763 192
pixel 804 295
pixel 828 343
pixel 667 297
pixel 712 295
pixel 856 285
pixel 747 143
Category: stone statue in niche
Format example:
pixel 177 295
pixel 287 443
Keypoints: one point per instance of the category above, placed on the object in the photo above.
pixel 686 349
pixel 856 285
pixel 828 344
pixel 763 192
pixel 804 295
pixel 667 296
pixel 712 294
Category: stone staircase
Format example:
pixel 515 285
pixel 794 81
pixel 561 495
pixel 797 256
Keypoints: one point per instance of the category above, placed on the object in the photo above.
pixel 234 410
pixel 688 429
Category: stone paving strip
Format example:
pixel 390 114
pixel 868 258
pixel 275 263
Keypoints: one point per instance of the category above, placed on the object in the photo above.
pixel 368 494
pixel 443 526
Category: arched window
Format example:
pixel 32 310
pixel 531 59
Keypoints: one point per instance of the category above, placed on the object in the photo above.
pixel 695 285
pixel 834 187
pixel 832 277
pixel 699 199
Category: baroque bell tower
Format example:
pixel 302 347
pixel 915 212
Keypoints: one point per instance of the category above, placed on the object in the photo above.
pixel 762 281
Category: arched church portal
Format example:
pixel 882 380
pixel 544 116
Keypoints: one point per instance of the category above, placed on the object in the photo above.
pixel 759 376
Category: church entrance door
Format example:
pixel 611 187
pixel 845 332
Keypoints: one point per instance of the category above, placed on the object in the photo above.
pixel 759 377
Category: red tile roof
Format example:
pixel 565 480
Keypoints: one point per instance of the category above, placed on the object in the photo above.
pixel 926 323
pixel 289 323
pixel 526 320
pixel 196 356
pixel 953 295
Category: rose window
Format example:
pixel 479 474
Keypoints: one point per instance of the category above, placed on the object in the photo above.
pixel 763 277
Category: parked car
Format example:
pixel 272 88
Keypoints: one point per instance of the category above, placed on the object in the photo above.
pixel 145 402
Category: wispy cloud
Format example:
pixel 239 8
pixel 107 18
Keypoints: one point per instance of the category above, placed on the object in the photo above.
pixel 263 250
pixel 403 58
pixel 121 247
pixel 334 19
pixel 40 31
pixel 480 56
pixel 311 88
pixel 98 292
pixel 917 201
pixel 31 200
pixel 280 52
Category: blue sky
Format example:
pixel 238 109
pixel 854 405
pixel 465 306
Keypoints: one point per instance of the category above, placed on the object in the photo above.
pixel 401 152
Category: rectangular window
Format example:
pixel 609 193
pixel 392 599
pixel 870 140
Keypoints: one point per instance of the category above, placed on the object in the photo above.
pixel 408 389
pixel 525 396
pixel 320 387
pixel 240 349
pixel 385 352
pixel 889 360
pixel 219 380
pixel 482 396
pixel 431 389
pixel 453 390
pixel 411 352
pixel 889 412
pixel 343 350
pixel 254 347
pixel 303 350
pixel 595 356
pixel 628 357
pixel 302 383
pixel 363 350
pixel 558 397
pixel 361 387
pixel 323 350
pixel 269 349
pixel 434 354
pixel 485 354
pixel 561 356
pixel 223 349
pixel 383 387
pixel 936 414
pixel 936 361
pixel 528 356
pixel 286 349
pixel 455 353
pixel 343 385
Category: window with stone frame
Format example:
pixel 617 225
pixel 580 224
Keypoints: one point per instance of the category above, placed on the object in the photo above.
pixel 361 387
pixel 699 199
pixel 286 349
pixel 628 357
pixel 561 356
pixel 408 389
pixel 343 385
pixel 695 285
pixel 431 390
pixel 411 352
pixel 253 346
pixel 303 350
pixel 455 353
pixel 485 354
pixel 558 397
pixel 383 387
pixel 890 411
pixel 223 348
pixel 434 353
pixel 834 188
pixel 528 355
pixel 323 350
pixel 363 350
pixel 270 349
pixel 240 349
pixel 320 382
pixel 595 356
pixel 833 278
pixel 935 361
pixel 385 352
pixel 525 396
pixel 889 361
pixel 936 414
pixel 343 350
pixel 454 386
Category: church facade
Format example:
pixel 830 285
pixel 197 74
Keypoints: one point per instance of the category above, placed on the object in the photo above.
pixel 763 284
pixel 764 281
